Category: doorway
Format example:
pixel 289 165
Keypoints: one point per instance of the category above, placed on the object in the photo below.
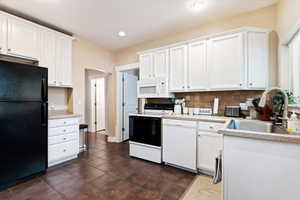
pixel 129 99
pixel 97 104
pixel 96 101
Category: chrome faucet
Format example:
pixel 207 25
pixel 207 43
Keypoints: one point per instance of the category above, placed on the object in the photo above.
pixel 263 100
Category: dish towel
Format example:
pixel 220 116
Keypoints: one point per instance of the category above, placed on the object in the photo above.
pixel 218 170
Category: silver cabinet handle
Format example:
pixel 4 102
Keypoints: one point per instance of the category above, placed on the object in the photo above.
pixel 8 49
pixel 251 84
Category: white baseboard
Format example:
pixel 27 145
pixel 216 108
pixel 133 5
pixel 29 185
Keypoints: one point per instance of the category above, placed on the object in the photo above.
pixel 114 139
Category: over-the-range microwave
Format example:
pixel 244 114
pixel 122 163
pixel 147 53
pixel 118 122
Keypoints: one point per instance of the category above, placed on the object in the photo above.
pixel 153 88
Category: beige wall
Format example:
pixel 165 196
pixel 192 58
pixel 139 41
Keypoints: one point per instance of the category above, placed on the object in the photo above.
pixel 58 98
pixel 265 18
pixel 90 55
pixel 288 14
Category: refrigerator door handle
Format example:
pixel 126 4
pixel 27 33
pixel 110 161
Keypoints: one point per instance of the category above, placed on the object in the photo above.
pixel 44 89
pixel 44 114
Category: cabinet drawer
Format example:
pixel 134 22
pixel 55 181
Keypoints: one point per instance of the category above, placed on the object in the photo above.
pixel 61 138
pixel 210 126
pixel 63 130
pixel 63 150
pixel 63 122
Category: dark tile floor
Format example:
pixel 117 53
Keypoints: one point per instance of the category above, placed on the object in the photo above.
pixel 104 172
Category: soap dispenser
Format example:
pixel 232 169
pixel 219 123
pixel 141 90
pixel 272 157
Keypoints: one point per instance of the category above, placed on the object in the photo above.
pixel 293 124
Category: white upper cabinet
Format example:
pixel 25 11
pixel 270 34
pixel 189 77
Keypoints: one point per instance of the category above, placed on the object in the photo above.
pixel 178 65
pixel 161 63
pixel 53 50
pixel 55 53
pixel 226 62
pixel 233 60
pixel 63 55
pixel 146 66
pixel 46 41
pixel 22 38
pixel 3 35
pixel 258 60
pixel 197 66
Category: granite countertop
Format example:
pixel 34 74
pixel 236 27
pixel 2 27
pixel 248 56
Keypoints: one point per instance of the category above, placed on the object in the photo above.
pixel 58 114
pixel 276 137
pixel 218 119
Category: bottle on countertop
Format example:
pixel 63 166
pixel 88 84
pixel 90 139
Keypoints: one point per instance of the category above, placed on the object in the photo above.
pixel 293 124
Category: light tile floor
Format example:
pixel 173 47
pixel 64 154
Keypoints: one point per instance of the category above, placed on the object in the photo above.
pixel 203 189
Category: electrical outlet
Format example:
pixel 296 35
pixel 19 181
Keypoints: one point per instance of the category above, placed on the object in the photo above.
pixel 243 106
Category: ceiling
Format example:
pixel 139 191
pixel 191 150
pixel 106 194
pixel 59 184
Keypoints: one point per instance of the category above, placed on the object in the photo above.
pixel 101 20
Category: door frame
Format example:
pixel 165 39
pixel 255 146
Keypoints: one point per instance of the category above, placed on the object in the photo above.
pixel 119 100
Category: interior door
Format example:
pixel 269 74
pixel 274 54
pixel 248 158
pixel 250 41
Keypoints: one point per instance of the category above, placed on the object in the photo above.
pixel 197 70
pixel 22 38
pixel 161 63
pixel 130 100
pixel 178 65
pixel 226 62
pixel 46 40
pixel 23 141
pixel 93 122
pixel 146 66
pixel 100 104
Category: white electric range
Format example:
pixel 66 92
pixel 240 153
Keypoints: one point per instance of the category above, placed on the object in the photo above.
pixel 145 129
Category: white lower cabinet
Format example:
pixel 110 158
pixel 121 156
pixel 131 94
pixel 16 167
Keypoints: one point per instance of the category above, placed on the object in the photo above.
pixel 209 147
pixel 180 143
pixel 210 143
pixel 63 140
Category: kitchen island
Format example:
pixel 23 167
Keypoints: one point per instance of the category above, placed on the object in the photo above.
pixel 260 165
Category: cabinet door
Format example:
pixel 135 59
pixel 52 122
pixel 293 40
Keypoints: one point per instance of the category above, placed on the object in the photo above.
pixel 209 147
pixel 22 38
pixel 46 44
pixel 161 64
pixel 178 65
pixel 258 59
pixel 226 62
pixel 146 66
pixel 3 34
pixel 197 70
pixel 63 62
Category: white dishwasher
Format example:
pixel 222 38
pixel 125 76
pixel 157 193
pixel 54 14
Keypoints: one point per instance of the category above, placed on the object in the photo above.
pixel 180 144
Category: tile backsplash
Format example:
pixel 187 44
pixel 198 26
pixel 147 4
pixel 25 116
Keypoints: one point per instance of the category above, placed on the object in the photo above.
pixel 206 99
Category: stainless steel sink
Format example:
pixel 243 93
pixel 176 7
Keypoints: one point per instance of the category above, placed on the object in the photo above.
pixel 252 125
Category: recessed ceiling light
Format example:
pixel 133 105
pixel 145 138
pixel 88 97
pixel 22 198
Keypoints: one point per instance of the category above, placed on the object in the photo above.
pixel 196 5
pixel 122 34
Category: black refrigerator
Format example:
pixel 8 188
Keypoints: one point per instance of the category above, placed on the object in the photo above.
pixel 23 122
